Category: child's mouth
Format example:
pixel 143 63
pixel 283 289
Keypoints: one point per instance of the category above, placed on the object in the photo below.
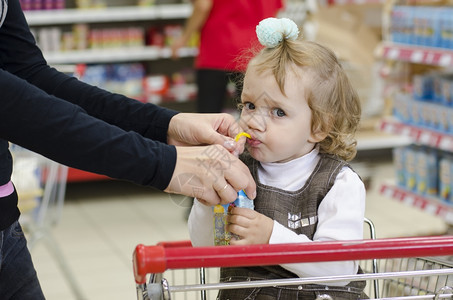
pixel 253 142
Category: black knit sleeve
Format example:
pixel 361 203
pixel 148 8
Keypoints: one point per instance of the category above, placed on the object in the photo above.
pixel 74 123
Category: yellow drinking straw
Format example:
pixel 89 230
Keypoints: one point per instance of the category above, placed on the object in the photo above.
pixel 241 134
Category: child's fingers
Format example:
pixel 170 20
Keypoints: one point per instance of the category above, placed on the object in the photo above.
pixel 242 211
pixel 238 220
pixel 236 242
pixel 236 229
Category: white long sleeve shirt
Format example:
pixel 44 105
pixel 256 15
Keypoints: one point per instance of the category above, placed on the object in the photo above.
pixel 340 214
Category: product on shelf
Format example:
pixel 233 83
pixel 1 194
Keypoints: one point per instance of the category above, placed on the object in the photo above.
pixel 49 39
pixel 183 87
pixel 145 2
pixel 82 37
pixel 118 78
pixel 53 39
pixel 423 114
pixel 164 36
pixel 434 87
pixel 417 169
pixel 42 4
pixel 116 38
pixel 431 103
pixel 179 87
pixel 156 87
pixel 422 25
pixel 91 3
pixel 446 178
pixel 427 172
pixel 419 40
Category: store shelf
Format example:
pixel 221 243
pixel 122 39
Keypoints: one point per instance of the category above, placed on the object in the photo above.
pixel 355 2
pixel 432 206
pixel 417 54
pixel 376 140
pixel 418 135
pixel 115 55
pixel 111 14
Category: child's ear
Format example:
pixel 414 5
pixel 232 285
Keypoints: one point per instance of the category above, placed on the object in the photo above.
pixel 317 136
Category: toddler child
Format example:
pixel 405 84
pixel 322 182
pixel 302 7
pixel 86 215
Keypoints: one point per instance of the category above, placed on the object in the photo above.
pixel 301 113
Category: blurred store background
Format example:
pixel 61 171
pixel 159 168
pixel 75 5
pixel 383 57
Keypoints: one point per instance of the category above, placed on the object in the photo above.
pixel 83 227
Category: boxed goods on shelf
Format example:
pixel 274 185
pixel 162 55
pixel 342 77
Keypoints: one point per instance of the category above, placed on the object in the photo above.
pixel 42 4
pixel 418 39
pixel 423 114
pixel 417 169
pixel 120 78
pixel 425 171
pixel 421 25
pixel 446 178
pixel 179 87
pixel 81 37
pixel 430 105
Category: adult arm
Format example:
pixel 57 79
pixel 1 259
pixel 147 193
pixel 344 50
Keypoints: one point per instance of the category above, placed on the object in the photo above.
pixel 65 133
pixel 19 55
pixel 200 13
pixel 86 127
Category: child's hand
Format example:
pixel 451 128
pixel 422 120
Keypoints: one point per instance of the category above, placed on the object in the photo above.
pixel 250 225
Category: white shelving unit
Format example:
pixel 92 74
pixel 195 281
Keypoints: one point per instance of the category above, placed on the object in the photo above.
pixel 377 141
pixel 148 53
pixel 349 2
pixel 431 206
pixel 430 56
pixel 422 136
pixel 110 15
pixel 417 54
pixel 426 137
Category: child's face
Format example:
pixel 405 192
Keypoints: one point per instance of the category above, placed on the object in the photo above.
pixel 280 125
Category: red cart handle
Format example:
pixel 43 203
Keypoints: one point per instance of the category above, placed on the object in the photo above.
pixel 180 255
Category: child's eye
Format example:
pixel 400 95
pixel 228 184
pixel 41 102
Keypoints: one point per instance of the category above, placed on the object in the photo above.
pixel 277 112
pixel 249 106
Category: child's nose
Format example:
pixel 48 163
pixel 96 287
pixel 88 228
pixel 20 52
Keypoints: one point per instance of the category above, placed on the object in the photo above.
pixel 256 121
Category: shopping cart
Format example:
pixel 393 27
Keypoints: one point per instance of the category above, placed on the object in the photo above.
pixel 395 268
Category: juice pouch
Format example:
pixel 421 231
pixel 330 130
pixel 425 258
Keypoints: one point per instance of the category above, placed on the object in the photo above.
pixel 221 235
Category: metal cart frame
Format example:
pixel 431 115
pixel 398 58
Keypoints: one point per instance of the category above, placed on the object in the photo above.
pixel 155 260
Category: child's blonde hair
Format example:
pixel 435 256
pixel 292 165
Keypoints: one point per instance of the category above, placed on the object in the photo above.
pixel 334 103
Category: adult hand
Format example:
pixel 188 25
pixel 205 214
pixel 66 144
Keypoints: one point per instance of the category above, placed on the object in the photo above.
pixel 250 225
pixel 211 174
pixel 177 44
pixel 192 129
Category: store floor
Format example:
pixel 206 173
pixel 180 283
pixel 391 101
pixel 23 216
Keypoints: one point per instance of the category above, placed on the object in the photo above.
pixel 102 222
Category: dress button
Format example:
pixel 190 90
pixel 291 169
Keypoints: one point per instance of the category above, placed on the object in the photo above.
pixel 324 297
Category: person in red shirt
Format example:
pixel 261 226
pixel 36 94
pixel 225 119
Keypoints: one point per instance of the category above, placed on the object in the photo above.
pixel 227 30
